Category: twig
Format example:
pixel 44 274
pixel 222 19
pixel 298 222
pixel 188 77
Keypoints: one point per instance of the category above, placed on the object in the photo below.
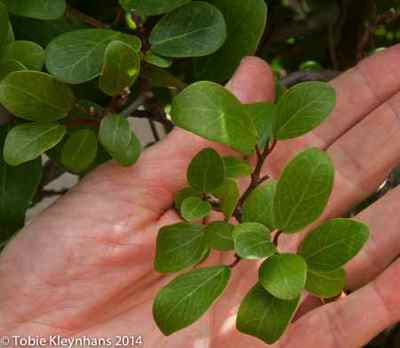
pixel 256 175
pixel 52 193
pixel 276 237
pixel 72 12
pixel 154 130
pixel 138 102
pixel 51 172
pixel 236 262
pixel 302 76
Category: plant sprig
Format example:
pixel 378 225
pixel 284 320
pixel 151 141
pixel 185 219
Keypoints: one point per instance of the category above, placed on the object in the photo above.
pixel 284 205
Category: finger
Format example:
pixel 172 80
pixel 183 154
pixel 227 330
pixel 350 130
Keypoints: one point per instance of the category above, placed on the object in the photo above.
pixel 162 169
pixel 352 321
pixel 383 245
pixel 359 91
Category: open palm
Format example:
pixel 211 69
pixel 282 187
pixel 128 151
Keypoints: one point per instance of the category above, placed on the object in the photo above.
pixel 84 267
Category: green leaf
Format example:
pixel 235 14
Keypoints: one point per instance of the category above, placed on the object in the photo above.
pixel 206 172
pixel 28 141
pixel 9 66
pixel 253 241
pixel 4 26
pixel 77 56
pixel 115 133
pixel 152 7
pixel 119 140
pixel 333 244
pixel 183 194
pixel 302 108
pixel 131 153
pixel 209 110
pixel 194 208
pixel 30 54
pixel 284 276
pixel 36 96
pixel 193 30
pixel 121 68
pixel 18 186
pixel 236 167
pixel 228 194
pixel 258 207
pixel 326 284
pixel 265 316
pixel 79 150
pixel 245 20
pixel 219 236
pixel 152 58
pixel 303 190
pixel 179 246
pixel 263 116
pixel 132 41
pixel 188 297
pixel 39 9
pixel 161 78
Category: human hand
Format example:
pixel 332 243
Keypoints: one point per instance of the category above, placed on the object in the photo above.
pixel 85 266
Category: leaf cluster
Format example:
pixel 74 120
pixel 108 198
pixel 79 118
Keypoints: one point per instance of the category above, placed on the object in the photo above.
pixel 253 221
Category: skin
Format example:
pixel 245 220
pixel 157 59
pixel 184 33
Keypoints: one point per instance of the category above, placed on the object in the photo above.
pixel 85 265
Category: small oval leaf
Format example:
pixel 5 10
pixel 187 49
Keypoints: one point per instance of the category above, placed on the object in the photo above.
pixel 183 194
pixel 211 111
pixel 206 172
pixel 258 207
pixel 121 68
pixel 30 54
pixel 18 187
pixel 303 190
pixel 39 9
pixel 28 141
pixel 115 133
pixel 77 56
pixel 179 246
pixel 36 96
pixel 9 66
pixel 228 194
pixel 219 236
pixel 194 30
pixel 245 20
pixel 333 244
pixel 253 241
pixel 236 167
pixel 326 284
pixel 284 276
pixel 264 316
pixel 188 297
pixel 302 108
pixel 79 151
pixel 194 208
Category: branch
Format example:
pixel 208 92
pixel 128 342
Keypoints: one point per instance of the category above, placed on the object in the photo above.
pixel 51 172
pixel 136 104
pixel 255 177
pixel 302 76
pixel 74 13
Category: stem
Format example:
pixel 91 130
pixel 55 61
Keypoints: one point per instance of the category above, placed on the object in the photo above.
pixel 276 237
pixel 256 178
pixel 154 130
pixel 236 262
pixel 72 12
pixel 138 102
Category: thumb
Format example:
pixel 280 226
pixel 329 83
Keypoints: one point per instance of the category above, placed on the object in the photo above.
pixel 253 81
